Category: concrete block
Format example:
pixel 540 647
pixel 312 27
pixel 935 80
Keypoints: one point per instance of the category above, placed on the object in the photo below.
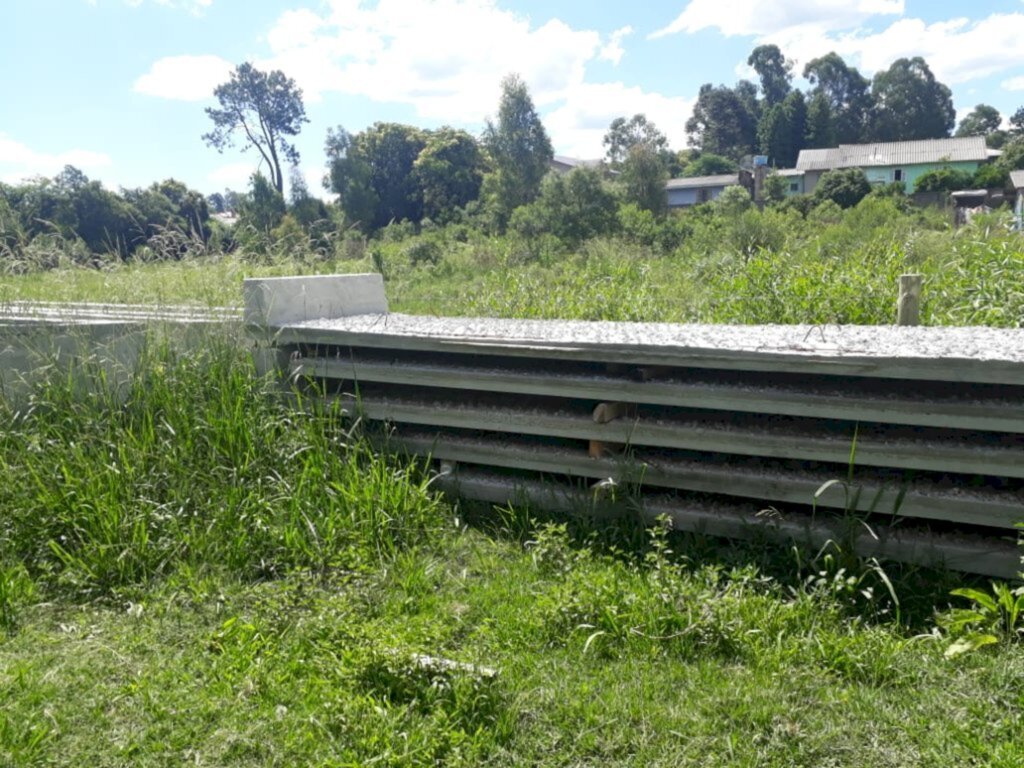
pixel 274 302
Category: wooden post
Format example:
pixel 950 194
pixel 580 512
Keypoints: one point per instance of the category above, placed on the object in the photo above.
pixel 908 307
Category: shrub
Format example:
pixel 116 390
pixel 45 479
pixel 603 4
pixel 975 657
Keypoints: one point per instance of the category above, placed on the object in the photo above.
pixel 845 187
pixel 943 180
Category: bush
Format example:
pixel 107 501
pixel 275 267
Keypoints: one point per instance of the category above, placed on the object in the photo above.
pixel 943 180
pixel 733 201
pixel 845 187
pixel 991 177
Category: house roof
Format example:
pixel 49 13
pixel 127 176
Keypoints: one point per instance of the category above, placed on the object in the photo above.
pixel 695 182
pixel 1017 179
pixel 788 172
pixel 966 149
pixel 575 162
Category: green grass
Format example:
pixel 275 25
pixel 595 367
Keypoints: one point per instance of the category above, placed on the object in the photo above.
pixel 192 572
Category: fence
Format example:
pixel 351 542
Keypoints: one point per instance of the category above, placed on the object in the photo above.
pixel 903 442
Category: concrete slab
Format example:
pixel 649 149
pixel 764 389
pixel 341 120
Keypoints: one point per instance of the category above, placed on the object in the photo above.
pixel 272 302
pixel 984 355
pixel 846 403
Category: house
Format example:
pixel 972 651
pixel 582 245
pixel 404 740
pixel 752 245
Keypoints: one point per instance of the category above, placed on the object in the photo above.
pixel 563 164
pixel 695 190
pixel 896 161
pixel 794 180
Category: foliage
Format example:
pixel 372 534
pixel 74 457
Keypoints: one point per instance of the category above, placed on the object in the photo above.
pixel 782 129
pixel 993 617
pixel 775 188
pixel 573 207
pixel 264 206
pixel 774 71
pixel 708 164
pixel 449 173
pixel 820 129
pixel 910 103
pixel 518 146
pixel 846 187
pixel 722 122
pixel 643 176
pixel 980 121
pixel 943 179
pixel 849 99
pixel 990 176
pixel 733 201
pixel 623 135
pixel 267 108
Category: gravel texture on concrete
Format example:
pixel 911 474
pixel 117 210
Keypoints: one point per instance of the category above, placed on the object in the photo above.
pixel 974 343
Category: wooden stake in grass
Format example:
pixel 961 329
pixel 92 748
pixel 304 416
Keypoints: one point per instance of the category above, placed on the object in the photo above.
pixel 908 306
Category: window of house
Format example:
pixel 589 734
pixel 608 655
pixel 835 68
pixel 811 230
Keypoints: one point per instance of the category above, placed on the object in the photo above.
pixel 897 175
pixel 794 186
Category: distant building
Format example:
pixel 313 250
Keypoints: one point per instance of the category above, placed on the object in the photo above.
pixel 563 164
pixel 895 161
pixel 682 193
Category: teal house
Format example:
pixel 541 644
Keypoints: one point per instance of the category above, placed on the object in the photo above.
pixel 895 161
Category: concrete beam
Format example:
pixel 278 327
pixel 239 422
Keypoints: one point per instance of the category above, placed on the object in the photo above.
pixel 965 413
pixel 273 302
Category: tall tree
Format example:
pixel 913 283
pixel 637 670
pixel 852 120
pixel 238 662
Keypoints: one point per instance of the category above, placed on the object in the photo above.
pixel 267 108
pixel 981 121
pixel 625 134
pixel 819 132
pixel 644 173
pixel 848 93
pixel 721 123
pixel 518 146
pixel 910 103
pixel 449 172
pixel 782 130
pixel 774 71
pixel 372 172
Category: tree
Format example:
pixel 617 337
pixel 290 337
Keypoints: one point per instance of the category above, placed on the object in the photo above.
pixel 774 71
pixel 573 207
pixel 373 173
pixel 820 131
pixel 518 146
pixel 264 207
pixel 1017 121
pixel 449 172
pixel 845 187
pixel 910 103
pixel 848 94
pixel 267 108
pixel 708 164
pixel 722 123
pixel 943 180
pixel 981 121
pixel 782 128
pixel 643 176
pixel 625 134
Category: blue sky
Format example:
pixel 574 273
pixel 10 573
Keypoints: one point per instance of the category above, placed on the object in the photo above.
pixel 118 87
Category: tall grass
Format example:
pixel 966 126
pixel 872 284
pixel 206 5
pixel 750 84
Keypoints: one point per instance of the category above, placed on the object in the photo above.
pixel 196 466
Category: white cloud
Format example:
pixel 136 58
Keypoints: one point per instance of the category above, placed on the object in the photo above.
pixel 578 126
pixel 19 161
pixel 195 7
pixel 232 176
pixel 1013 84
pixel 184 78
pixel 444 57
pixel 763 17
pixel 613 50
pixel 957 50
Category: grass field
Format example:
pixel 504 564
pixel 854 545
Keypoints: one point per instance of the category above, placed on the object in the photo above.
pixel 198 575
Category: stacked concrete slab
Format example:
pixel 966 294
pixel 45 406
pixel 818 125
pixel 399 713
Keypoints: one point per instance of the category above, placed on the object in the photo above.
pixel 89 342
pixel 917 433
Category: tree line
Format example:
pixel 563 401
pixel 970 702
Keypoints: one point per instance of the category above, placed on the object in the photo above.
pixel 393 173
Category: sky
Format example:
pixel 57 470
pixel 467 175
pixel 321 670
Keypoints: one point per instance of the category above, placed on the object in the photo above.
pixel 118 88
